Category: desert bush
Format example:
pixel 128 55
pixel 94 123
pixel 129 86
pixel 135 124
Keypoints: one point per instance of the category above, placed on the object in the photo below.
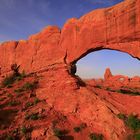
pixel 133 122
pixel 8 80
pixel 9 86
pixel 21 76
pixel 127 91
pixel 33 116
pixel 13 103
pixel 10 95
pixel 36 100
pixel 15 131
pixel 137 136
pixel 94 136
pixel 28 104
pixel 30 86
pixel 121 116
pixel 10 138
pixel 80 127
pixel 19 90
pixel 26 86
pixel 77 129
pixel 98 86
pixel 54 123
pixel 23 130
pixel 59 133
pixel 2 99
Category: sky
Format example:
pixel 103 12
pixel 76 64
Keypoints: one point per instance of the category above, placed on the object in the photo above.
pixel 21 18
pixel 94 64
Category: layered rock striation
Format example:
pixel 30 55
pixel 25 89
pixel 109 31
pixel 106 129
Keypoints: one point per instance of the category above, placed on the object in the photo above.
pixel 52 53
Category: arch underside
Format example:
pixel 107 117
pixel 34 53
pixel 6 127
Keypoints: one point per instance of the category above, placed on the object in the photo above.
pixel 125 48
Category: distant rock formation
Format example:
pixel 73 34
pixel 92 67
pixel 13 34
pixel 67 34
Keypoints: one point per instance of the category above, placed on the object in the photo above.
pixel 107 74
pixel 118 81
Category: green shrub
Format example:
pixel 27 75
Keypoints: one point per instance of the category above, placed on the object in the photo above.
pixel 83 125
pixel 58 132
pixel 13 103
pixel 33 116
pixel 21 76
pixel 27 116
pixel 26 86
pixel 133 122
pixel 54 123
pixel 10 138
pixel 2 99
pixel 28 104
pixel 94 136
pixel 29 86
pixel 80 127
pixel 23 130
pixel 15 131
pixel 8 80
pixel 128 91
pixel 36 100
pixel 98 86
pixel 121 116
pixel 19 90
pixel 10 95
pixel 137 136
pixel 9 86
pixel 77 129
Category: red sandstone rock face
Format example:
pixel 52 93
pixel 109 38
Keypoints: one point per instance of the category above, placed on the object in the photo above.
pixel 107 74
pixel 116 28
pixel 119 81
pixel 50 52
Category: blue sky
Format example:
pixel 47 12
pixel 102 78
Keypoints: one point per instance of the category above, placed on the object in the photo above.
pixel 21 18
pixel 94 64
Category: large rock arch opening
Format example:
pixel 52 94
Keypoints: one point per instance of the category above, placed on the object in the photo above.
pixel 115 60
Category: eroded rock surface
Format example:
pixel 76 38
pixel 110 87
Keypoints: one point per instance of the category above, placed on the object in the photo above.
pixel 50 52
pixel 107 74
pixel 120 81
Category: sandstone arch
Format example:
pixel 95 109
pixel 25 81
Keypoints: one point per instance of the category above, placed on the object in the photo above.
pixel 116 28
pixel 109 28
pixel 52 50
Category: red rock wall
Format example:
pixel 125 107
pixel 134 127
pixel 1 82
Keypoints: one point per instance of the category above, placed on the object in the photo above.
pixel 116 28
pixel 35 54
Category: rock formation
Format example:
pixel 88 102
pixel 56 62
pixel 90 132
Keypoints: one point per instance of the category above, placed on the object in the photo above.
pixel 116 28
pixel 50 52
pixel 107 74
pixel 119 81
